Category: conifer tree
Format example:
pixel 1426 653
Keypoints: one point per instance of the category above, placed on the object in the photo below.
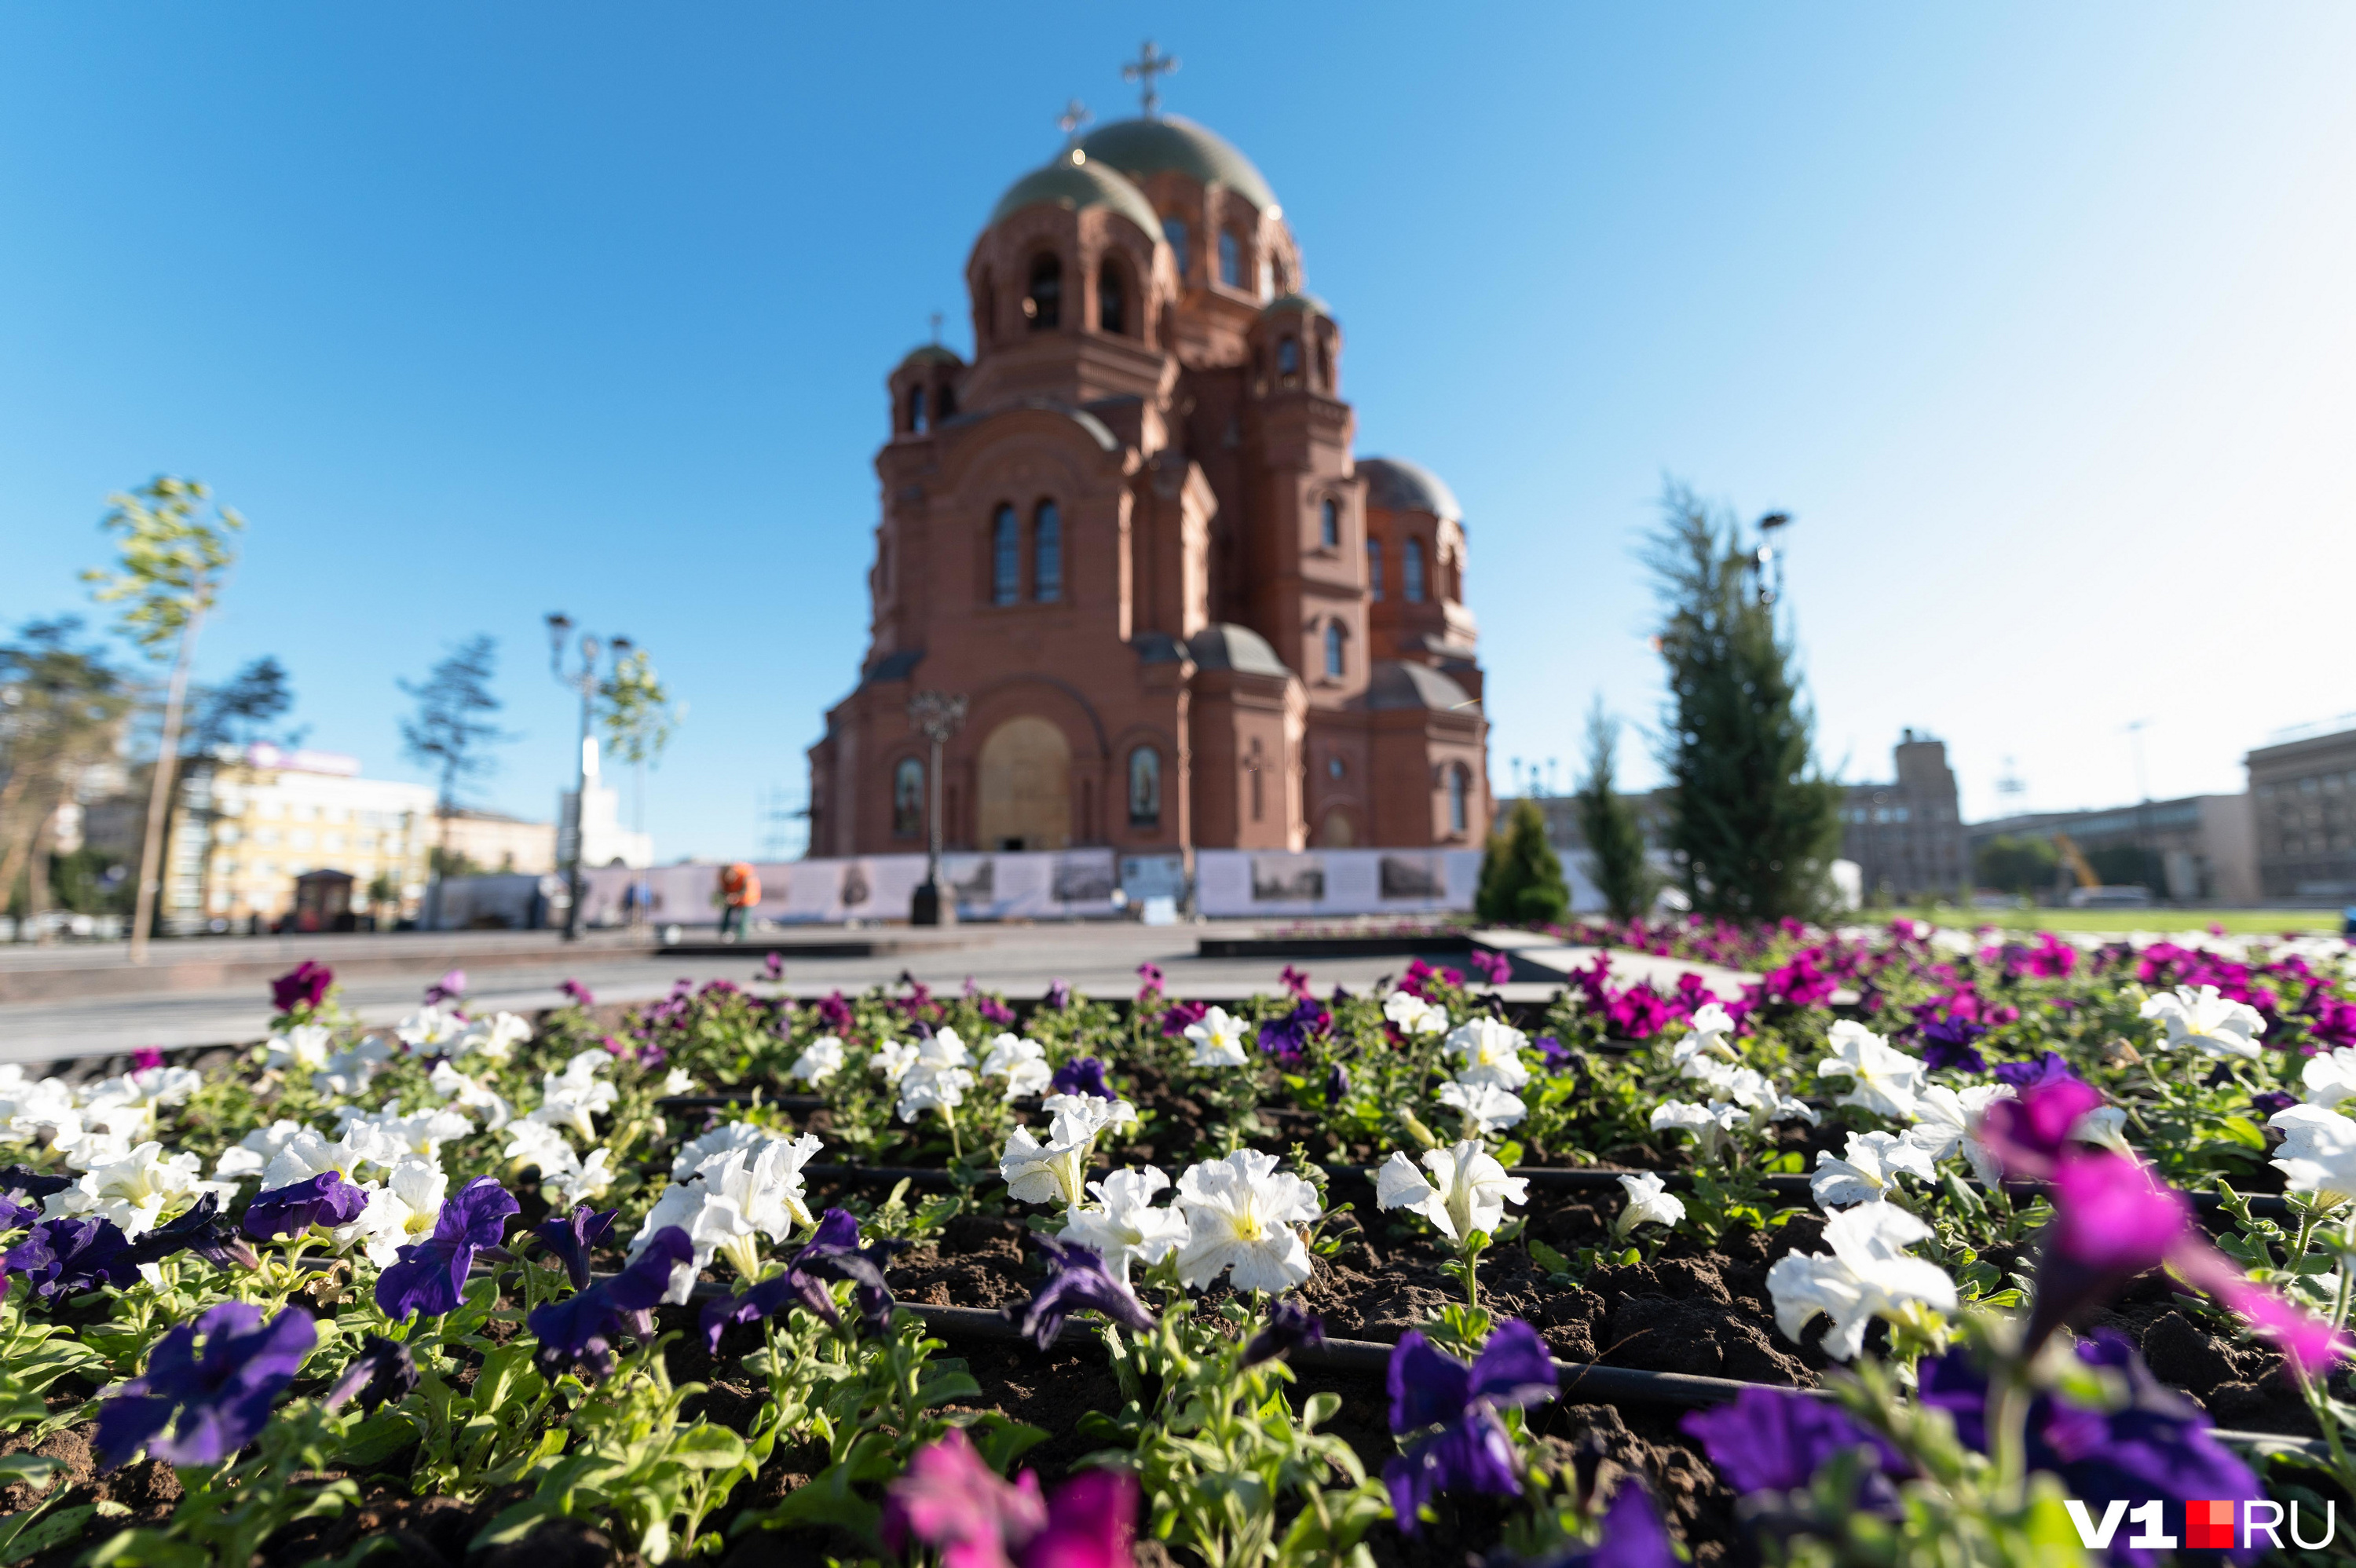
pixel 1615 839
pixel 1521 880
pixel 1754 823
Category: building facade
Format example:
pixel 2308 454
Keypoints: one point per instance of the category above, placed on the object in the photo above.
pixel 2198 848
pixel 1133 535
pixel 2303 795
pixel 1907 836
pixel 493 842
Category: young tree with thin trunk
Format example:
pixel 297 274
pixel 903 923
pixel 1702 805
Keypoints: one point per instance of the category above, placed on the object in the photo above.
pixel 1753 824
pixel 1615 839
pixel 176 554
pixel 61 710
pixel 450 728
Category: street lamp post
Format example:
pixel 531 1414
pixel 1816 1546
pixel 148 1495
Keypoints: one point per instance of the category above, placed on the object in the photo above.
pixel 937 716
pixel 1767 562
pixel 583 681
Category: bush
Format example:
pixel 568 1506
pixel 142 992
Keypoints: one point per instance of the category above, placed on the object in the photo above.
pixel 1521 880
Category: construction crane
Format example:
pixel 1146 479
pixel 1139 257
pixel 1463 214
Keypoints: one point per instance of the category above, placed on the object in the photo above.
pixel 2075 859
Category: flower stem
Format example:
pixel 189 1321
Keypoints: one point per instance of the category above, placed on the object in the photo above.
pixel 2009 1432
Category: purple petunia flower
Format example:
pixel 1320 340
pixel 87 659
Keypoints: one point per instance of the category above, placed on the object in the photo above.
pixel 1495 966
pixel 326 1199
pixel 1633 1536
pixel 1471 1448
pixel 1291 1327
pixel 1947 1044
pixel 21 1192
pixel 569 1237
pixel 1286 1038
pixel 1078 1281
pixel 1337 1085
pixel 1149 978
pixel 2269 1102
pixel 1553 1053
pixel 1179 1016
pixel 832 1253
pixel 430 1275
pixel 1059 995
pixel 773 968
pixel 1771 1440
pixel 835 1012
pixel 450 988
pixel 1082 1075
pixel 384 1372
pixel 581 996
pixel 62 1256
pixel 2160 1444
pixel 198 1404
pixel 200 1230
pixel 1295 981
pixel 2046 1070
pixel 303 986
pixel 994 1011
pixel 580 1330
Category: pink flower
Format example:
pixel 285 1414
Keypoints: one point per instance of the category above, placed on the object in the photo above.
pixel 145 1057
pixel 2027 1134
pixel 950 1498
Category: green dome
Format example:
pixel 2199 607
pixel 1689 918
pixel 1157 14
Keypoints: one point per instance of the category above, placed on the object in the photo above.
pixel 1301 302
pixel 1150 146
pixel 1398 486
pixel 931 354
pixel 1075 186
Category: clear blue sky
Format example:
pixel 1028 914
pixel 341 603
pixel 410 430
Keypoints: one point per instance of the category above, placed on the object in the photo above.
pixel 2038 319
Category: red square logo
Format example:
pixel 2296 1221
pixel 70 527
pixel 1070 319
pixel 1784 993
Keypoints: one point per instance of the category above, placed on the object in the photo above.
pixel 2209 1526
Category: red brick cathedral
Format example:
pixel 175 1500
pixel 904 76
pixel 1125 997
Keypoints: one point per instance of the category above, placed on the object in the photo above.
pixel 1132 534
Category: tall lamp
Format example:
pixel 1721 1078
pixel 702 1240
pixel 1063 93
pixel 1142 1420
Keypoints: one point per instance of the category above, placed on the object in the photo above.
pixel 937 716
pixel 583 681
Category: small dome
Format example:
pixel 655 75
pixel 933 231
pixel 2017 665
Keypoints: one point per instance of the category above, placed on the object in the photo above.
pixel 932 354
pixel 1223 644
pixel 1307 303
pixel 1181 146
pixel 1392 684
pixel 1398 486
pixel 1075 185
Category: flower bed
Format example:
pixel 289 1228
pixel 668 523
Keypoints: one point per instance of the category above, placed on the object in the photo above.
pixel 687 1280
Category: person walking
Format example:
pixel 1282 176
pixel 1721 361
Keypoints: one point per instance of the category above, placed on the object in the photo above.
pixel 740 889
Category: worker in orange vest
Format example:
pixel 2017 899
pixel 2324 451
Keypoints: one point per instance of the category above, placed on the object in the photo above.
pixel 740 889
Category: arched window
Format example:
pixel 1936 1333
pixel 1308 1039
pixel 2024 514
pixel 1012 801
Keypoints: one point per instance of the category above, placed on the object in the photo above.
pixel 1329 524
pixel 1375 569
pixel 985 309
pixel 917 410
pixel 1046 553
pixel 1414 573
pixel 1460 789
pixel 943 404
pixel 908 798
pixel 1326 361
pixel 1287 360
pixel 1045 304
pixel 1231 258
pixel 1112 305
pixel 1174 230
pixel 1335 636
pixel 1006 558
pixel 1145 788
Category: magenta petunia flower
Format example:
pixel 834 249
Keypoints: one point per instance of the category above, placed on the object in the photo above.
pixel 304 985
pixel 951 1499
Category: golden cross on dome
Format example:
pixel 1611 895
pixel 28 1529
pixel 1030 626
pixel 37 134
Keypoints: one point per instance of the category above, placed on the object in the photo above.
pixel 1149 64
pixel 1070 121
pixel 936 330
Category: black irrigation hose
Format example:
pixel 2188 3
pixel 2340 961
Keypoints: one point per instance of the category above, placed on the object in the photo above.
pixel 1540 1175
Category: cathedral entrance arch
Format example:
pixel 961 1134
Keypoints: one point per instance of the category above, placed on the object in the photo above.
pixel 1026 788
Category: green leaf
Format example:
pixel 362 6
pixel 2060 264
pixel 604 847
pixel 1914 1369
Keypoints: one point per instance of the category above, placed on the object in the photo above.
pixel 377 1438
pixel 2241 1130
pixel 1545 1257
pixel 941 1387
pixel 1000 1442
pixel 32 1469
pixel 24 1535
pixel 705 1447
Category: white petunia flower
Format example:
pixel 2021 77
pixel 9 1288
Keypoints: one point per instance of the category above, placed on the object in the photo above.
pixel 1867 1274
pixel 589 1180
pixel 2105 1124
pixel 1711 1125
pixel 722 1139
pixel 2205 1020
pixel 713 1224
pixel 1883 1079
pixel 678 1081
pixel 821 1059
pixel 1055 1171
pixel 537 1144
pixel 305 1046
pixel 570 1098
pixel 1648 1204
pixel 431 1029
pixel 400 1212
pixel 1240 1214
pixel 2318 1152
pixel 1117 1113
pixel 924 1088
pixel 1712 1030
pixel 892 1059
pixel 1944 1118
pixel 1491 1052
pixel 452 1084
pixel 493 1039
pixel 2331 1076
pixel 1468 1190
pixel 305 1154
pixel 1485 1108
pixel 1022 1063
pixel 252 1154
pixel 1413 1015
pixel 1218 1040
pixel 1124 1226
pixel 132 1190
pixel 386 1137
pixel 349 1072
pixel 1868 1170
pixel 772 1185
pixel 33 1108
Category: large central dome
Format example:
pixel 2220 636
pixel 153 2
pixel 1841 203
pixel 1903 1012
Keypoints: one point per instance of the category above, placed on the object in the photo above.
pixel 1142 147
pixel 1074 185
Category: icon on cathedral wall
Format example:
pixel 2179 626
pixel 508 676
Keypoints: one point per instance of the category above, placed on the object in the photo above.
pixel 1414 877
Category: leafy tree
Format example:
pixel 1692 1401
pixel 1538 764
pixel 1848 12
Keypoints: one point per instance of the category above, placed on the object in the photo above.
pixel 1615 839
pixel 1521 880
pixel 176 554
pixel 1754 825
pixel 61 710
pixel 635 710
pixel 2017 865
pixel 2128 866
pixel 451 730
pixel 240 712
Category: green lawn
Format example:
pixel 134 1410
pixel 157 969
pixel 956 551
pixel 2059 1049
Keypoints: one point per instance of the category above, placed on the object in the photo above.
pixel 2237 922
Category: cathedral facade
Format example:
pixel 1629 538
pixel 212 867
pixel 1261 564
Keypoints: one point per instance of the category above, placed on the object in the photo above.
pixel 1132 534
